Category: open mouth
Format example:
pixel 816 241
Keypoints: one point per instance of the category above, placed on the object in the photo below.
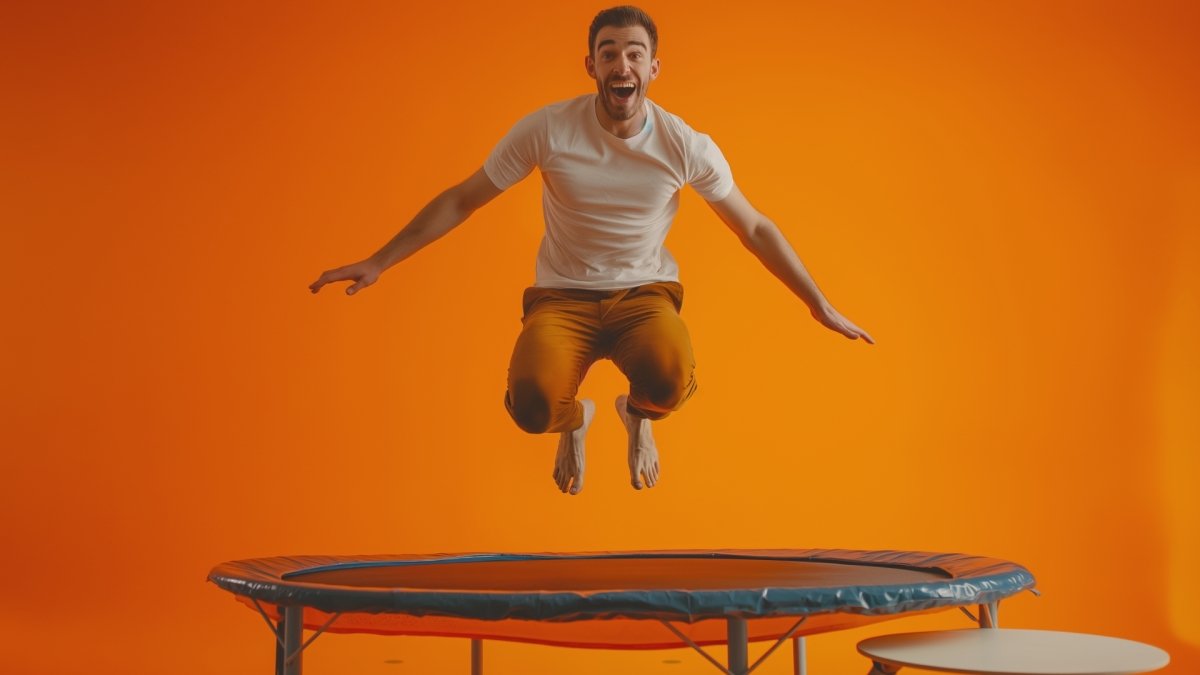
pixel 623 90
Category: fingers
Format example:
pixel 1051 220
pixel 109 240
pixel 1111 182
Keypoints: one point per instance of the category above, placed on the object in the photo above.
pixel 361 278
pixel 315 286
pixel 854 332
pixel 360 282
pixel 329 276
pixel 834 321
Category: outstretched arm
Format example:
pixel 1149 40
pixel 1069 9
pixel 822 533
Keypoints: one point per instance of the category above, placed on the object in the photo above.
pixel 768 244
pixel 446 212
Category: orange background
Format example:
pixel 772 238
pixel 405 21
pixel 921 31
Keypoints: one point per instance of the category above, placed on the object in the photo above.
pixel 1007 195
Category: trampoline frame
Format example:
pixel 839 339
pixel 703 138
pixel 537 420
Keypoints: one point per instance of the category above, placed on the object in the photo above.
pixel 290 645
pixel 288 630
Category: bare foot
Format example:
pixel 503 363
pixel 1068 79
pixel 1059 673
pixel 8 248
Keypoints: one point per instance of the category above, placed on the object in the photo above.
pixel 643 454
pixel 568 462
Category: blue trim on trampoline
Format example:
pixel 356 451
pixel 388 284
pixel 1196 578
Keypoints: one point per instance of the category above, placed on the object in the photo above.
pixel 966 580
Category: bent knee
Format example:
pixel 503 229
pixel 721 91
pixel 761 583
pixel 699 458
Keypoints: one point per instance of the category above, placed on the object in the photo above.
pixel 670 390
pixel 535 409
pixel 672 398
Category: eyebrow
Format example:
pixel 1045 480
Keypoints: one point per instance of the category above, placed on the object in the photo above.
pixel 610 41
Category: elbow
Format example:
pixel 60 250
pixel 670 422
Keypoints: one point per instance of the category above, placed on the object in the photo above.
pixel 452 198
pixel 758 233
pixel 454 201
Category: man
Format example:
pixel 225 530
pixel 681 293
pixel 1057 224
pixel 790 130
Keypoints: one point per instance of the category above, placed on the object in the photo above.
pixel 612 164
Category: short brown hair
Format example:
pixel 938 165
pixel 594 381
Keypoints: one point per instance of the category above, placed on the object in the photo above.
pixel 623 17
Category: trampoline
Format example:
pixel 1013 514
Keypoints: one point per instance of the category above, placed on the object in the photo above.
pixel 635 600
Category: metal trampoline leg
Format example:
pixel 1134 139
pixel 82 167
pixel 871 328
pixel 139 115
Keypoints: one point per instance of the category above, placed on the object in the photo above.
pixel 799 656
pixel 279 655
pixel 293 634
pixel 738 642
pixel 476 656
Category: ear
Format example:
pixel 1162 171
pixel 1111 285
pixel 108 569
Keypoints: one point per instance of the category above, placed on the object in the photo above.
pixel 589 64
pixel 655 65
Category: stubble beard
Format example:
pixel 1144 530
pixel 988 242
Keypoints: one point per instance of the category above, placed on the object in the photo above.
pixel 631 111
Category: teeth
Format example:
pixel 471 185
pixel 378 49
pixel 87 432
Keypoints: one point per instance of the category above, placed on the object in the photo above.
pixel 624 85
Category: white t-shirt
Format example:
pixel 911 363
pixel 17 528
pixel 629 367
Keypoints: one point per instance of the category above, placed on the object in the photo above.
pixel 608 202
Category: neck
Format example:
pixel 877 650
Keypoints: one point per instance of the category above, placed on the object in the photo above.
pixel 621 128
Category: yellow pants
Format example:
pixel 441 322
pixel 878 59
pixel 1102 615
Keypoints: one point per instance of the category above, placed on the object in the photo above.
pixel 565 331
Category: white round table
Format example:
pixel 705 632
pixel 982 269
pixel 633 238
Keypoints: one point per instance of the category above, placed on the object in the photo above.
pixel 1005 651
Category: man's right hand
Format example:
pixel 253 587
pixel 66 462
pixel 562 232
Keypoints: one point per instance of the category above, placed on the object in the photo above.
pixel 446 212
pixel 362 273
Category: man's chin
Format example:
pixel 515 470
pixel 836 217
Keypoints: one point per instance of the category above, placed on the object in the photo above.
pixel 623 113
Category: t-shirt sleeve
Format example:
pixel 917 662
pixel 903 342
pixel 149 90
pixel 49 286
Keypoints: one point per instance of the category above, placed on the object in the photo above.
pixel 708 172
pixel 515 156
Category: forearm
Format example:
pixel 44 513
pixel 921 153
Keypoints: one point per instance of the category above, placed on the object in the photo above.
pixel 772 249
pixel 439 216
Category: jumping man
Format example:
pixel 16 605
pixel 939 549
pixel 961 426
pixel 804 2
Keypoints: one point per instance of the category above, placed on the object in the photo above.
pixel 612 165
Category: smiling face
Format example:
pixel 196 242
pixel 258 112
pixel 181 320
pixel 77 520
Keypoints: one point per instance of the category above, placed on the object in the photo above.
pixel 622 64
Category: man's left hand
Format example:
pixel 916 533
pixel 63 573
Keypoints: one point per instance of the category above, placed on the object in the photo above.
pixel 834 321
